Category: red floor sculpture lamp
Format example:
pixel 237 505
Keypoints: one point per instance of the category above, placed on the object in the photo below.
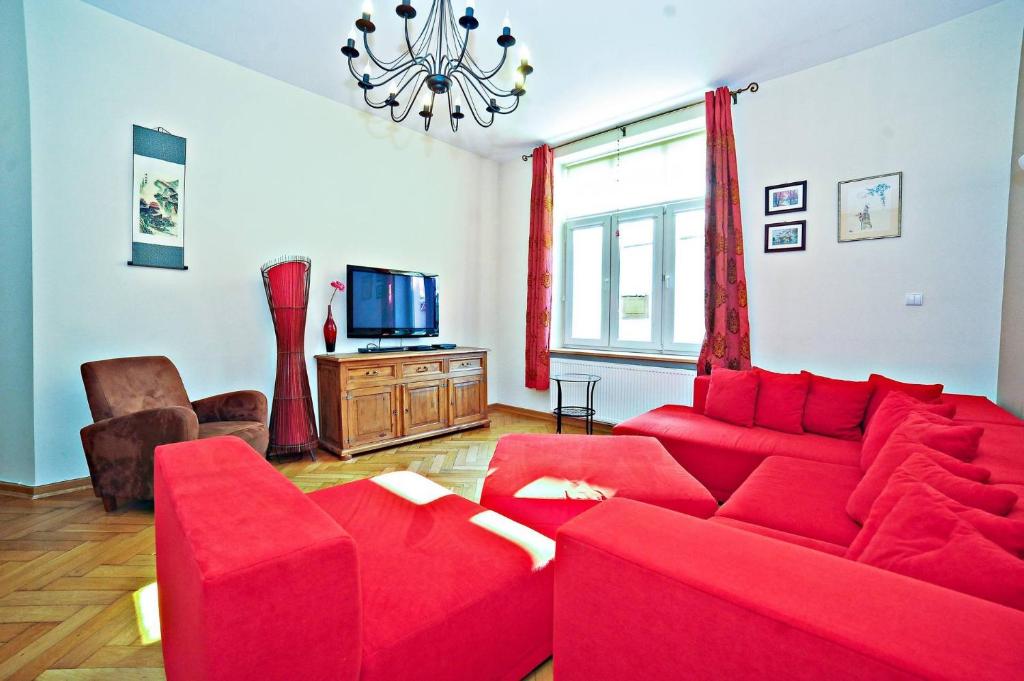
pixel 292 423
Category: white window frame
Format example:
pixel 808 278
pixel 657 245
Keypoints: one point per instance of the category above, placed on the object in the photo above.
pixel 663 285
pixel 604 222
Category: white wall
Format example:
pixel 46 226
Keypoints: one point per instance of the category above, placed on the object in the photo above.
pixel 937 105
pixel 1011 361
pixel 16 456
pixel 271 170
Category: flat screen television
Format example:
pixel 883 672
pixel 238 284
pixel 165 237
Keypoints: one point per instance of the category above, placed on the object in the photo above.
pixel 383 303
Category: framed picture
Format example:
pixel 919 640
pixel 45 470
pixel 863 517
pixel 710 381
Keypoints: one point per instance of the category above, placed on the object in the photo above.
pixel 785 236
pixel 870 207
pixel 158 201
pixel 785 198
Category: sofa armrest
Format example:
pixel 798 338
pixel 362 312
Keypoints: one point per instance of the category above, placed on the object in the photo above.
pixel 642 592
pixel 255 580
pixel 701 384
pixel 119 450
pixel 240 405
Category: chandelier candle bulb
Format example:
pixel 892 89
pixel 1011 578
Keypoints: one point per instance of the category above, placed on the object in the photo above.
pixel 367 9
pixel 506 25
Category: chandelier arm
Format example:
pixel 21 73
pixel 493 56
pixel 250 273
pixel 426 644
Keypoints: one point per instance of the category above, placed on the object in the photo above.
pixel 481 73
pixel 412 102
pixel 366 98
pixel 387 66
pixel 510 109
pixel 472 109
pixel 414 47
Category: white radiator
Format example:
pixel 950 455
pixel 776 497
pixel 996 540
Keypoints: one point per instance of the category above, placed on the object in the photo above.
pixel 625 390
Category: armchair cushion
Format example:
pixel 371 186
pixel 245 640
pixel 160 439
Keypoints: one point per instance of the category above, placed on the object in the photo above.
pixel 253 433
pixel 119 450
pixel 240 405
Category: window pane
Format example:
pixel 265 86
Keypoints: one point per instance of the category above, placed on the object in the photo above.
pixel 657 173
pixel 587 280
pixel 689 278
pixel 636 273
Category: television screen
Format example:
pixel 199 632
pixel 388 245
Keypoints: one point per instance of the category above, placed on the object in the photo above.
pixel 385 302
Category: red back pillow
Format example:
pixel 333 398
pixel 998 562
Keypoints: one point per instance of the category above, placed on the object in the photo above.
pixel 892 411
pixel 883 386
pixel 732 396
pixel 997 500
pixel 780 400
pixel 896 451
pixel 1005 532
pixel 926 541
pixel 835 408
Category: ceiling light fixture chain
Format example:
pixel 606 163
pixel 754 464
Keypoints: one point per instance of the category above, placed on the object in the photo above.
pixel 439 60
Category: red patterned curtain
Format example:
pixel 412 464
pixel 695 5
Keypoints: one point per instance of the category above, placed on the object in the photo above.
pixel 538 283
pixel 727 329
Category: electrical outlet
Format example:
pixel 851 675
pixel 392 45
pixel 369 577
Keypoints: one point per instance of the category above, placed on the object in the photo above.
pixel 915 299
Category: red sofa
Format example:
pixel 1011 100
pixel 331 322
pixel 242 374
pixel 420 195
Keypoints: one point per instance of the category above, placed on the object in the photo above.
pixel 762 590
pixel 381 579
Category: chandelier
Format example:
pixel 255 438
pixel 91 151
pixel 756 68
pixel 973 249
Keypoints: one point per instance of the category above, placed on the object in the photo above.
pixel 437 62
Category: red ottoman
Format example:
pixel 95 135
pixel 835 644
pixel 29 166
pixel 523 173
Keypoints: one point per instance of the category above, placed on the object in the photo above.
pixel 543 481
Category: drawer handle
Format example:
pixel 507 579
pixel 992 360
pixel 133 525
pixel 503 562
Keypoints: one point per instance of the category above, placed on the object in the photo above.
pixel 420 370
pixel 372 373
pixel 466 364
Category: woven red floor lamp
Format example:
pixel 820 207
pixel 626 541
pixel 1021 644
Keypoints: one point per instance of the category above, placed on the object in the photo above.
pixel 292 423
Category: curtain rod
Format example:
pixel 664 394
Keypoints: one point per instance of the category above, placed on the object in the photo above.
pixel 752 87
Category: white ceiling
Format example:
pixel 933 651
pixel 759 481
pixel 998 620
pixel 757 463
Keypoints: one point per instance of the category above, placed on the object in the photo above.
pixel 598 62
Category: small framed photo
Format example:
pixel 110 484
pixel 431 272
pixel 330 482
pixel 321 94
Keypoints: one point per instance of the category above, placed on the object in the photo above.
pixel 785 236
pixel 870 207
pixel 785 198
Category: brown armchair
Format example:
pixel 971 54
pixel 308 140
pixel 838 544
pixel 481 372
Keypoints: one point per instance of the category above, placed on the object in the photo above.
pixel 138 403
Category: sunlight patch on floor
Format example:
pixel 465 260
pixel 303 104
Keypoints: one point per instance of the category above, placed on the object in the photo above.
pixel 147 613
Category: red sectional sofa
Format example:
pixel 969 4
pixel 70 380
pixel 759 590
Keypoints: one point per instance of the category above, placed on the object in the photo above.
pixel 763 590
pixel 382 579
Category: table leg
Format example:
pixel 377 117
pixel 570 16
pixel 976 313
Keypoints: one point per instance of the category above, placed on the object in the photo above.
pixel 558 411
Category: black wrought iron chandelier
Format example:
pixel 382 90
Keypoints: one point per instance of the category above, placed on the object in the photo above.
pixel 436 63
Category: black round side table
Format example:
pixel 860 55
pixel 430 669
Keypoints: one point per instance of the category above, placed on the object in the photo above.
pixel 582 412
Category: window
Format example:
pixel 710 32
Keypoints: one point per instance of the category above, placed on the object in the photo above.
pixel 634 265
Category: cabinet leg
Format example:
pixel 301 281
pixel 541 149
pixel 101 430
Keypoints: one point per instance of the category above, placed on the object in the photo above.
pixel 109 503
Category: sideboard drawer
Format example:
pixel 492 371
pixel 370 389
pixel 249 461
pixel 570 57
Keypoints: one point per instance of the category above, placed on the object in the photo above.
pixel 464 364
pixel 422 368
pixel 371 372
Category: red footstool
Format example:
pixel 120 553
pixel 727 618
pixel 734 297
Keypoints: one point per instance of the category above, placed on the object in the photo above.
pixel 543 481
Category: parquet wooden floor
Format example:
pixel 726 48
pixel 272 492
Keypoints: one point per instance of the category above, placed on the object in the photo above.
pixel 68 570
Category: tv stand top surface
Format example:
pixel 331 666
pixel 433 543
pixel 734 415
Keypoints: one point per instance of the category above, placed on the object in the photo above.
pixel 349 356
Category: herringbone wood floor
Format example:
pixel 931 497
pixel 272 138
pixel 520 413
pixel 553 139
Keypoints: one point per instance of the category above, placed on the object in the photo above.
pixel 68 570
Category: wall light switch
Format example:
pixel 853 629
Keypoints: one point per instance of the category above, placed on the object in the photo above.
pixel 915 299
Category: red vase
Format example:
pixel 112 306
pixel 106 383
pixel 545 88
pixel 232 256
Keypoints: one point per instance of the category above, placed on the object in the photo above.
pixel 330 331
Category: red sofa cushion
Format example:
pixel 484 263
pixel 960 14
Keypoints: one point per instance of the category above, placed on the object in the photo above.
pixel 920 537
pixel 721 455
pixel 1007 532
pixel 1001 450
pixel 443 598
pixel 892 456
pixel 780 400
pixel 883 386
pixel 801 497
pixel 543 481
pixel 835 408
pixel 732 396
pixel 892 411
pixel 968 492
pixel 242 555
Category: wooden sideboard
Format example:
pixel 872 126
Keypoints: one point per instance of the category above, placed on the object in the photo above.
pixel 372 401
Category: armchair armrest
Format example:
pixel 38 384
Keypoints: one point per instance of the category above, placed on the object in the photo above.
pixel 119 450
pixel 643 592
pixel 240 405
